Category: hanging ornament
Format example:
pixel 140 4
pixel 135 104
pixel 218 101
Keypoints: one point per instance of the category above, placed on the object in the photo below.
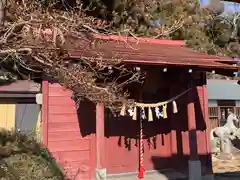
pixel 126 142
pixel 154 139
pixel 130 112
pixel 136 142
pixel 123 110
pixel 149 143
pixel 120 141
pixel 134 117
pixel 175 110
pixel 163 142
pixel 158 113
pixel 150 115
pixel 156 106
pixel 143 114
pixel 129 144
pixel 165 111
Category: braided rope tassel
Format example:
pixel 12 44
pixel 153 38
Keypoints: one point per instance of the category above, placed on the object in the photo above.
pixel 141 169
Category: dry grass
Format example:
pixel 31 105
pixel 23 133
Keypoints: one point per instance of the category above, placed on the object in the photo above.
pixel 23 158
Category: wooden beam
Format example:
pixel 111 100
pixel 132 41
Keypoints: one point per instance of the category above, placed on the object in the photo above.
pixel 100 138
pixel 209 169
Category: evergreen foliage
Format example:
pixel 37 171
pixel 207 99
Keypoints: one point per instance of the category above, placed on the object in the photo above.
pixel 23 158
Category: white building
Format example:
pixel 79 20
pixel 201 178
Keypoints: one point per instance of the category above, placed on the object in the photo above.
pixel 223 95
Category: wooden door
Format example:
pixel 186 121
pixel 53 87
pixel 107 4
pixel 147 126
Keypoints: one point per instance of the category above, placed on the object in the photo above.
pixel 28 118
pixel 7 116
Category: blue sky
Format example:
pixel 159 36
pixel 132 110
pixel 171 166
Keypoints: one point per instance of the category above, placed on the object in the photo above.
pixel 229 7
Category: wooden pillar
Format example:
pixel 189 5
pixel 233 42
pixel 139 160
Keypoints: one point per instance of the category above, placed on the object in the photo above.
pixel 173 134
pixel 208 127
pixel 195 170
pixel 100 143
pixel 192 125
pixel 209 170
pixel 45 106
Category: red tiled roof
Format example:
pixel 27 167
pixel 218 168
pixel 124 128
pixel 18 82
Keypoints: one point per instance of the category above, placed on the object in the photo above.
pixel 152 51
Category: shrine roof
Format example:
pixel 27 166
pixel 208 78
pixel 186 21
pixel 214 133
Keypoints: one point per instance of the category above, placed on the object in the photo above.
pixel 150 51
pixel 23 86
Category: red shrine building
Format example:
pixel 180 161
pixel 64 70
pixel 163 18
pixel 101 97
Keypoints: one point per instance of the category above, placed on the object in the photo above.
pixel 91 143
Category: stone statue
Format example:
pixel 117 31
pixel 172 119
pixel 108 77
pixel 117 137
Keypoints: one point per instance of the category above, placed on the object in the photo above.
pixel 223 135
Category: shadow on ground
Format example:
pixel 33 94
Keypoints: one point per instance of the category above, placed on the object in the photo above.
pixel 228 176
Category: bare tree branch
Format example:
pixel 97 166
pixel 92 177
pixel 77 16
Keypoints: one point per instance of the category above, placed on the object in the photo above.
pixel 3 4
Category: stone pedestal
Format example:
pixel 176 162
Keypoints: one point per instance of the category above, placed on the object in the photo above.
pixel 226 153
pixel 227 146
pixel 195 170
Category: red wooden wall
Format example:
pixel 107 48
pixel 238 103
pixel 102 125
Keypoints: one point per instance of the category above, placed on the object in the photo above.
pixel 76 151
pixel 61 133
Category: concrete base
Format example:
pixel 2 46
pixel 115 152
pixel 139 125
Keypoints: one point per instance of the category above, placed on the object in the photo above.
pixel 195 170
pixel 208 177
pixel 100 174
pixel 164 174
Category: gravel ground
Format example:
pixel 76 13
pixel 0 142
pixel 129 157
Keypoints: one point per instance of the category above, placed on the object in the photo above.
pixel 227 169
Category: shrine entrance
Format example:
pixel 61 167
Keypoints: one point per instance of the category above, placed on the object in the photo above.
pixel 162 147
